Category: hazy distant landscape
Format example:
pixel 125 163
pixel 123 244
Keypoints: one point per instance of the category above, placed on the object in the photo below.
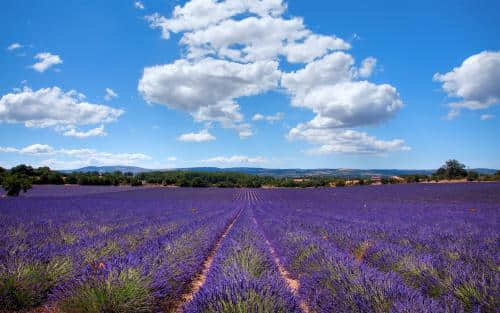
pixel 285 172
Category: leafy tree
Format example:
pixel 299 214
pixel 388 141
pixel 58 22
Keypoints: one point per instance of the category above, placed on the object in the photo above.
pixel 199 182
pixel 23 169
pixel 71 179
pixel 452 169
pixel 14 183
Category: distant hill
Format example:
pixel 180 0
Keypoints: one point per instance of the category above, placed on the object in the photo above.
pixel 109 169
pixel 289 172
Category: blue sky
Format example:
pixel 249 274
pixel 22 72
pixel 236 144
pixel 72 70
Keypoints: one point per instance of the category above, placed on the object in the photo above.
pixel 268 83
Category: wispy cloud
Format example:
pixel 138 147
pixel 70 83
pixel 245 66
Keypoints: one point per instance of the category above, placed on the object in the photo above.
pixel 110 94
pixel 14 46
pixel 201 136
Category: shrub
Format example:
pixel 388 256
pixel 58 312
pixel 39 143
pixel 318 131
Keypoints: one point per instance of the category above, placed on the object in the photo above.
pixel 136 182
pixel 15 183
pixel 27 285
pixel 126 291
pixel 340 183
pixel 472 176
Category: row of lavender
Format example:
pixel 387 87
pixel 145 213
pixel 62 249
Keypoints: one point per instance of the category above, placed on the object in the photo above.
pixel 134 251
pixel 409 248
pixel 244 277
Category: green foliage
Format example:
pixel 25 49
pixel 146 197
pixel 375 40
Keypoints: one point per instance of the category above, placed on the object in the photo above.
pixel 136 182
pixel 416 178
pixel 472 176
pixel 15 183
pixel 28 284
pixel 124 292
pixel 23 169
pixel 340 183
pixel 452 169
pixel 248 259
pixel 234 300
pixel 44 175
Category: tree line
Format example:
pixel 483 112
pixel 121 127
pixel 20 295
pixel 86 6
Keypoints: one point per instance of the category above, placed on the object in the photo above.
pixel 22 177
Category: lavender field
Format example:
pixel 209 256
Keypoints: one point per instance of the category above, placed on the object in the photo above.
pixel 392 248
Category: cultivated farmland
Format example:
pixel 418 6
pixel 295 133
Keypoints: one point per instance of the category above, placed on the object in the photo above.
pixel 398 248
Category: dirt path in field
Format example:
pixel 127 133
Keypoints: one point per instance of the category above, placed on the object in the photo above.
pixel 294 284
pixel 199 280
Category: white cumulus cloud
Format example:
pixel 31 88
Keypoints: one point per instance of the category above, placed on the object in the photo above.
pixel 344 141
pixel 198 14
pixel 234 49
pixel 329 87
pixel 52 107
pixel 201 136
pixel 208 89
pixel 475 83
pixel 45 61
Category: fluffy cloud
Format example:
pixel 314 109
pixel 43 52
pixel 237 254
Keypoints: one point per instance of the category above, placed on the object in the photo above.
pixel 329 88
pixel 350 104
pixel 227 42
pixel 476 83
pixel 207 89
pixel 269 118
pixel 45 61
pixel 14 46
pixel 35 149
pixel 110 94
pixel 139 5
pixel 367 67
pixel 201 136
pixel 94 132
pixel 198 14
pixel 52 107
pixel 331 69
pixel 77 157
pixel 344 141
pixel 289 38
pixel 237 159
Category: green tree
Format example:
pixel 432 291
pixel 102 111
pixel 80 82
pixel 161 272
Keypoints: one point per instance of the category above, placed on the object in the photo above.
pixel 452 169
pixel 23 169
pixel 14 183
